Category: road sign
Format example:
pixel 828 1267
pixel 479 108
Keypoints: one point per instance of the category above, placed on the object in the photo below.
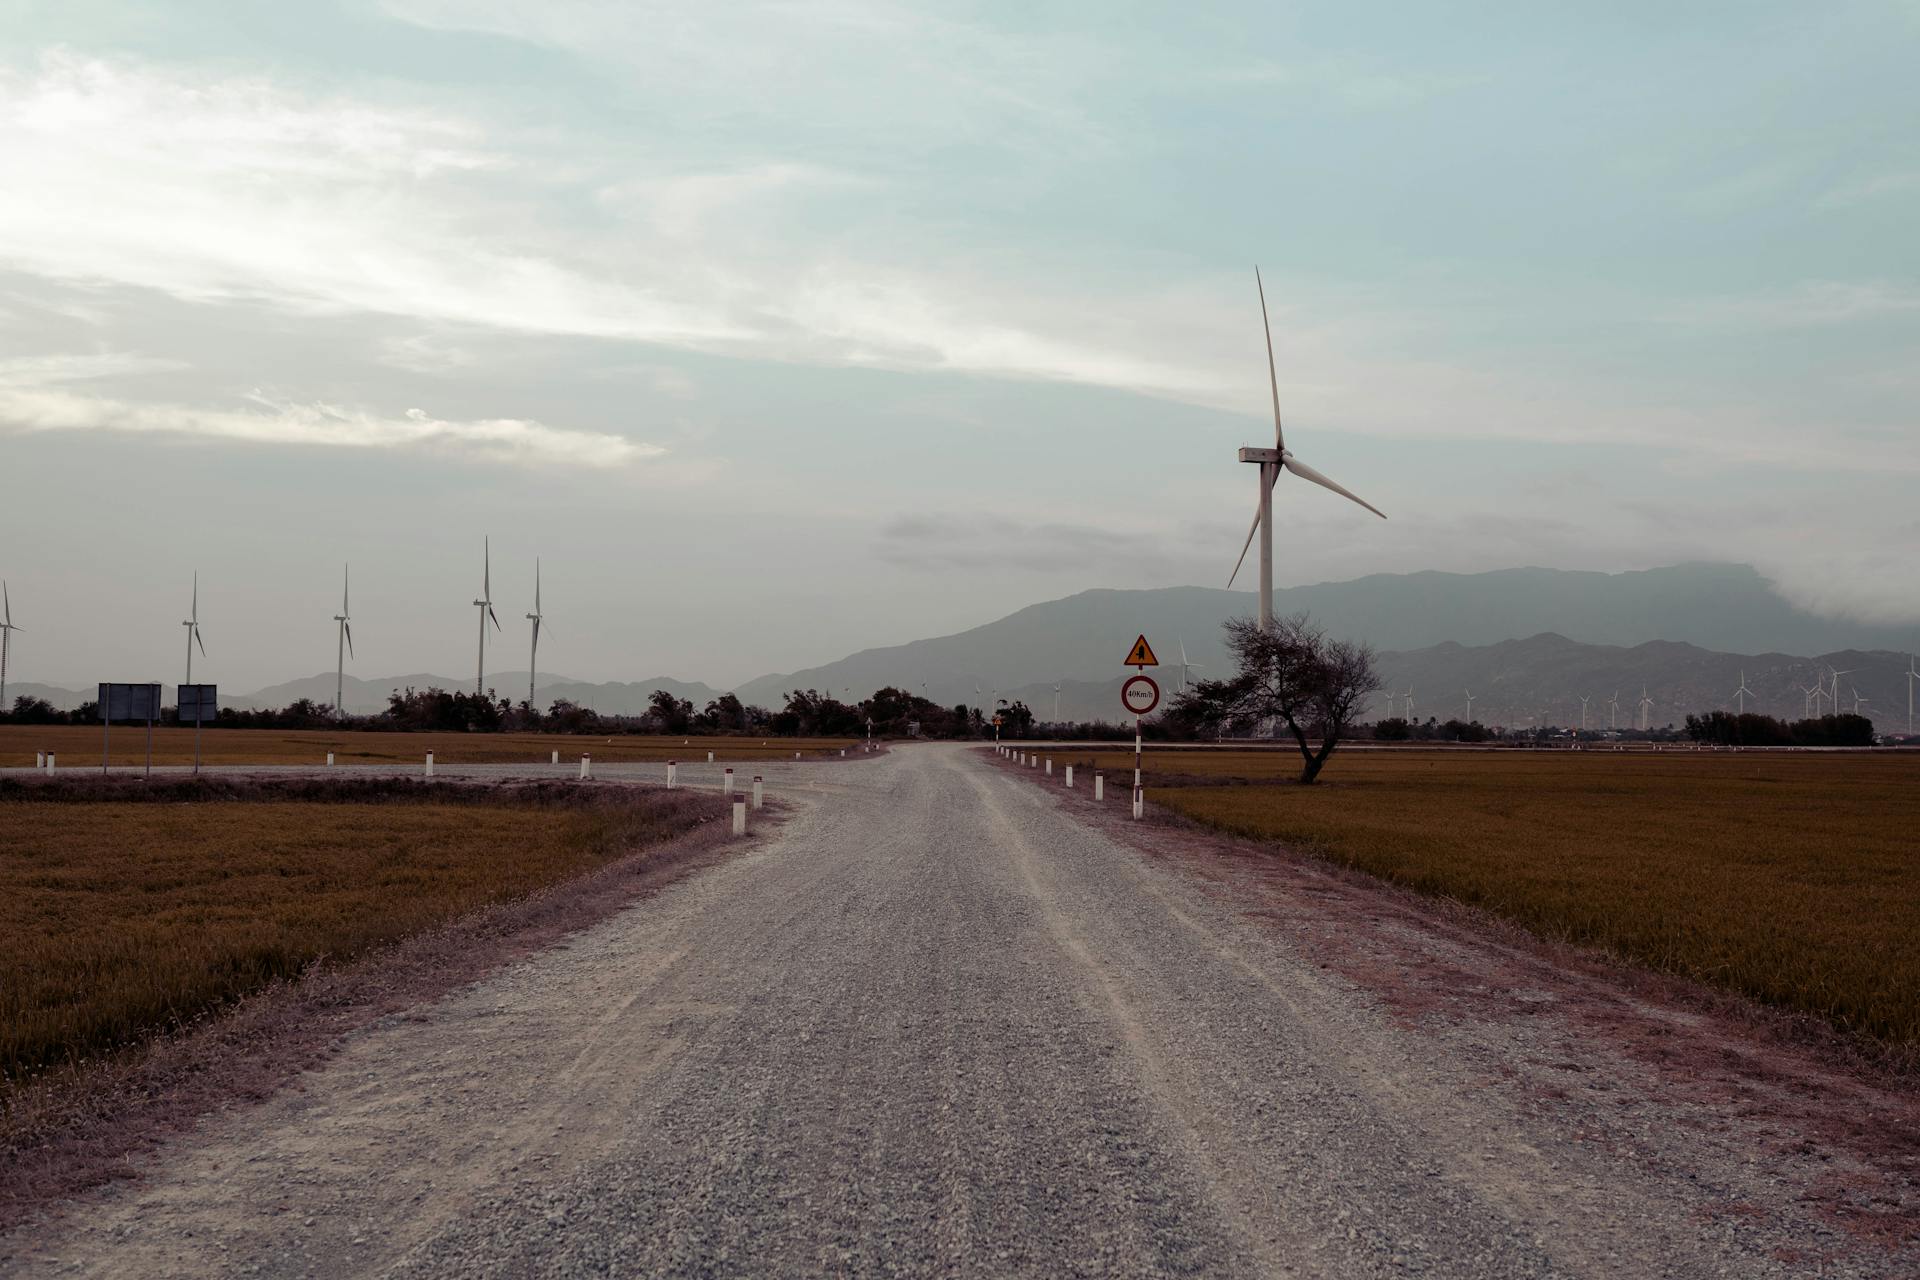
pixel 1140 695
pixel 129 701
pixel 1141 655
pixel 198 702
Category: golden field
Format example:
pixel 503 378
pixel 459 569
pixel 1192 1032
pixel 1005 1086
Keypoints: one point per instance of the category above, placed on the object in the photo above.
pixel 1792 878
pixel 123 918
pixel 77 746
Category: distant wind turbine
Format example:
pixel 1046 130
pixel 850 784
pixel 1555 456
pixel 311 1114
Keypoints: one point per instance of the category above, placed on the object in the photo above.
pixel 485 605
pixel 1613 710
pixel 536 618
pixel 7 629
pixel 1646 709
pixel 1834 697
pixel 192 624
pixel 1056 702
pixel 1186 666
pixel 1741 694
pixel 1409 703
pixel 1912 675
pixel 1583 712
pixel 342 646
pixel 1272 462
pixel 1809 697
pixel 1469 706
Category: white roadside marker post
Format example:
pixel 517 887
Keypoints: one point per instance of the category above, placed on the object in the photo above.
pixel 39 759
pixel 758 800
pixel 739 815
pixel 329 759
pixel 726 782
pixel 709 757
pixel 796 755
pixel 49 762
pixel 429 764
pixel 1069 777
pixel 556 756
pixel 673 768
pixel 1049 766
pixel 586 764
pixel 1099 786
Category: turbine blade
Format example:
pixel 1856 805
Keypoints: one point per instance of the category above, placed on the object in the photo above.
pixel 1243 550
pixel 349 639
pixel 536 584
pixel 1273 379
pixel 202 643
pixel 495 617
pixel 1306 472
pixel 8 600
pixel 346 581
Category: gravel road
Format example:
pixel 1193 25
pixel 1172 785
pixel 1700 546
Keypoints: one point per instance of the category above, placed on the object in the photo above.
pixel 937 1023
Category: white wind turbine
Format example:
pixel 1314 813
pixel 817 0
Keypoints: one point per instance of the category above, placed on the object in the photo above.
pixel 536 618
pixel 1409 703
pixel 485 605
pixel 1858 702
pixel 192 624
pixel 1613 710
pixel 1186 666
pixel 1646 708
pixel 1272 462
pixel 1741 694
pixel 1912 675
pixel 1056 702
pixel 7 629
pixel 1583 712
pixel 343 646
pixel 1469 706
pixel 1834 697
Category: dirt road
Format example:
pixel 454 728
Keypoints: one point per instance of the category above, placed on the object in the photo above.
pixel 939 1024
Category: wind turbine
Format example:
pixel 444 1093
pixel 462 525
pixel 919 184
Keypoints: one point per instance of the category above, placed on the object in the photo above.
pixel 485 605
pixel 1056 702
pixel 1272 462
pixel 1741 694
pixel 343 646
pixel 1583 712
pixel 1409 703
pixel 7 629
pixel 1858 701
pixel 1912 675
pixel 1469 706
pixel 1835 695
pixel 192 624
pixel 1613 710
pixel 1646 707
pixel 535 618
pixel 1186 666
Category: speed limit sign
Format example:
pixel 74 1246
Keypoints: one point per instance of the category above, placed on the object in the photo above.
pixel 1140 695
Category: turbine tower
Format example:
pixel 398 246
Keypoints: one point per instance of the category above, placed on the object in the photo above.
pixel 1912 675
pixel 7 629
pixel 343 646
pixel 1646 708
pixel 1613 710
pixel 1056 702
pixel 485 605
pixel 192 624
pixel 1272 462
pixel 1741 694
pixel 1583 712
pixel 1469 706
pixel 533 656
pixel 1409 702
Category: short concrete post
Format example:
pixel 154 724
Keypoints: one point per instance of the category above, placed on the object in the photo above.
pixel 39 759
pixel 726 782
pixel 49 762
pixel 758 800
pixel 673 769
pixel 739 815
pixel 1099 786
pixel 1139 802
pixel 1069 777
pixel 586 765
pixel 1049 766
pixel 556 757
pixel 709 757
pixel 329 759
pixel 796 755
pixel 429 764
pixel 843 753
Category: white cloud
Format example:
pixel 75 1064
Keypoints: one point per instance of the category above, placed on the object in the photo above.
pixel 34 397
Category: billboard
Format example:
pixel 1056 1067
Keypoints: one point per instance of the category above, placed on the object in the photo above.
pixel 129 701
pixel 198 702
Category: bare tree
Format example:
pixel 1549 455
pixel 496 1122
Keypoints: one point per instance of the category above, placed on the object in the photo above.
pixel 1290 673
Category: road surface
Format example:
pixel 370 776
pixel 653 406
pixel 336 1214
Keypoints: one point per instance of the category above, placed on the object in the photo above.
pixel 937 1024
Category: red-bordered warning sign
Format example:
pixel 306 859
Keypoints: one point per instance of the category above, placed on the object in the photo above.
pixel 1140 695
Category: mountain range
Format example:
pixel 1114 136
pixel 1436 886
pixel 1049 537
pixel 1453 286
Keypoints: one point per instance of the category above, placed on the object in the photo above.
pixel 1529 642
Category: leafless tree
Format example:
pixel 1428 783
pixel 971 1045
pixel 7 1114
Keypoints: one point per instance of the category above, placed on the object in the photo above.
pixel 1292 674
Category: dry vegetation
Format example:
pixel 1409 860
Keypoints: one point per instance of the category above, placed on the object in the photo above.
pixel 129 909
pixel 78 746
pixel 1794 879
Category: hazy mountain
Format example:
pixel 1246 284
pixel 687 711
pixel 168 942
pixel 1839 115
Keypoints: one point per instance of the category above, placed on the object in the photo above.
pixel 1725 608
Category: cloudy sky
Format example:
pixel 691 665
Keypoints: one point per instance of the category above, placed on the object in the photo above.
pixel 781 329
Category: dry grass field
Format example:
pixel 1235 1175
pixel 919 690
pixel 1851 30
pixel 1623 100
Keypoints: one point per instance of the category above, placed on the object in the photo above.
pixel 124 916
pixel 1793 878
pixel 77 746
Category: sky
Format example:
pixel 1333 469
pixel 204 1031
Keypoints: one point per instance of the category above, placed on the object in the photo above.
pixel 780 330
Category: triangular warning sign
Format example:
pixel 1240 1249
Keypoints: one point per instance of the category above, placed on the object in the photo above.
pixel 1141 655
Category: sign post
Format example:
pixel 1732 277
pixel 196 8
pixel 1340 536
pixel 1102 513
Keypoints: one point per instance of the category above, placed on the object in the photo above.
pixel 198 701
pixel 127 702
pixel 1140 695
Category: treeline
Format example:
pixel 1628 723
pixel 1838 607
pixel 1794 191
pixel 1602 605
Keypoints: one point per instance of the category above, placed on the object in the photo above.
pixel 1751 729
